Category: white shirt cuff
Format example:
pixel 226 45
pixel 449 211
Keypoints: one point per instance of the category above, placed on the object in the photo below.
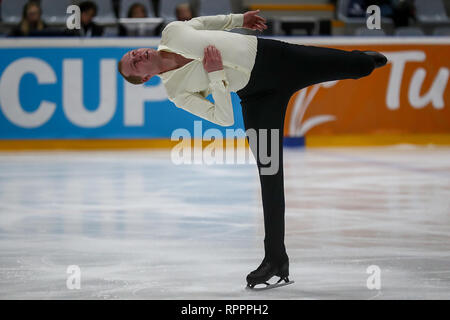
pixel 239 19
pixel 217 76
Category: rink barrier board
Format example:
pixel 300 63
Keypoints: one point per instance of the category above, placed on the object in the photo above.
pixel 323 134
pixel 410 95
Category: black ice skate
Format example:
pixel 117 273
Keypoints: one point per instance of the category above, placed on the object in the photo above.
pixel 265 272
pixel 379 59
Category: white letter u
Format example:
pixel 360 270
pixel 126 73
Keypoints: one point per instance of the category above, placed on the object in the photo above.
pixel 73 105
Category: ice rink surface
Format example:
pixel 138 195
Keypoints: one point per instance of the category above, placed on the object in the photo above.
pixel 140 227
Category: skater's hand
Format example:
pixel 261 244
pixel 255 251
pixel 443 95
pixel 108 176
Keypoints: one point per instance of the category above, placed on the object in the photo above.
pixel 253 21
pixel 212 61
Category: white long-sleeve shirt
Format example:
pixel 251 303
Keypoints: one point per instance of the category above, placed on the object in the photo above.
pixel 188 86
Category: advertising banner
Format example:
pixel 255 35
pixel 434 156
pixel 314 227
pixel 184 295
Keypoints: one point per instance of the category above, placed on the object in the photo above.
pixel 71 89
pixel 408 96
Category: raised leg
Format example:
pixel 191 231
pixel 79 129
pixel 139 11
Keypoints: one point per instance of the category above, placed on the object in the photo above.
pixel 307 65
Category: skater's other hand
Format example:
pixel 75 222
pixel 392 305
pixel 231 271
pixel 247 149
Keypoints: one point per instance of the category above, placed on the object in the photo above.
pixel 212 61
pixel 253 21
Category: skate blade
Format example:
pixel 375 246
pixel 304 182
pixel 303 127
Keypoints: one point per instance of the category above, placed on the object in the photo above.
pixel 269 286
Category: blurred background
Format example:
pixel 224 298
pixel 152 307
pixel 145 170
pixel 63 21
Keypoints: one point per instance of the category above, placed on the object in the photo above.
pixel 287 17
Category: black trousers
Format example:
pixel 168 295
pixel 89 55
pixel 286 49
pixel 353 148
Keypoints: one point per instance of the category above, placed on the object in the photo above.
pixel 280 70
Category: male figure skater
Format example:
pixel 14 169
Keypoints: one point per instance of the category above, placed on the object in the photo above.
pixel 197 57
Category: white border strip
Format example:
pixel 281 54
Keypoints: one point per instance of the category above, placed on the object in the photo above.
pixel 154 41
pixel 351 40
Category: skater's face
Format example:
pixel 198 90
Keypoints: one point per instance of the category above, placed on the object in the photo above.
pixel 139 65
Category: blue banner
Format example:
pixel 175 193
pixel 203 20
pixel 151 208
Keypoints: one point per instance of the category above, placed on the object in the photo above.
pixel 72 93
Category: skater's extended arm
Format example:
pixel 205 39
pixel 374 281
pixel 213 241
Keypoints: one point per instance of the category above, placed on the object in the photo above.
pixel 249 20
pixel 218 22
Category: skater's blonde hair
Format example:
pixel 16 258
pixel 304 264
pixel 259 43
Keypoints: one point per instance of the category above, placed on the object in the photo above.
pixel 130 79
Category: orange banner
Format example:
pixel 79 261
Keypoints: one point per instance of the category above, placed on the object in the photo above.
pixel 408 96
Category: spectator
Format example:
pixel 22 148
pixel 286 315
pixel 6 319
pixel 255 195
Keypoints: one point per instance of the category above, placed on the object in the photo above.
pixel 31 21
pixel 136 10
pixel 357 8
pixel 404 12
pixel 88 27
pixel 183 12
